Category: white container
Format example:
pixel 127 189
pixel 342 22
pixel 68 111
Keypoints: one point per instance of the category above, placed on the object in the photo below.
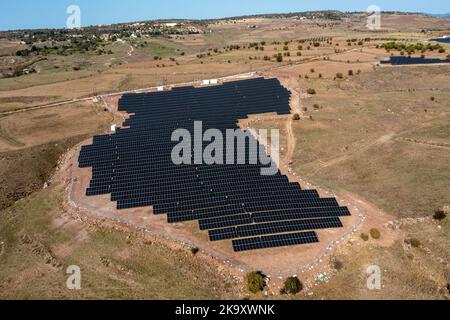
pixel 160 88
pixel 206 82
pixel 113 128
pixel 214 81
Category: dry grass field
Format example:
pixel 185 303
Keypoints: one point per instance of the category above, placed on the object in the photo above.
pixel 381 133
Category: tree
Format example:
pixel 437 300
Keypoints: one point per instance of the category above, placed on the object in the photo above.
pixel 364 236
pixel 339 75
pixel 350 72
pixel 439 215
pixel 279 57
pixel 292 285
pixel 255 282
pixel 296 117
pixel 375 233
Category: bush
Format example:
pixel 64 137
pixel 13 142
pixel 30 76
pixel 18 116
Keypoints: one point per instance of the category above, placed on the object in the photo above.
pixel 413 242
pixel 439 215
pixel 195 250
pixel 316 106
pixel 311 91
pixel 312 70
pixel 375 233
pixel 255 282
pixel 432 98
pixel 337 264
pixel 296 117
pixel 350 73
pixel 365 237
pixel 339 75
pixel 441 50
pixel 279 57
pixel 292 285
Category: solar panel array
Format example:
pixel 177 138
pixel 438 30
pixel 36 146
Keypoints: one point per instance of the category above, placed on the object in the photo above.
pixel 402 60
pixel 442 40
pixel 233 202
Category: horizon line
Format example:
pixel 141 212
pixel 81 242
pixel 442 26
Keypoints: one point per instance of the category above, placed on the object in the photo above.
pixel 224 18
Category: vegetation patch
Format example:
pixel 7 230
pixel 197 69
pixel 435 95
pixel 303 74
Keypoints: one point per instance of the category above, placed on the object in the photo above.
pixel 291 286
pixel 375 233
pixel 255 282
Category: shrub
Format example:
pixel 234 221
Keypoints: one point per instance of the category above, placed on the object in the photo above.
pixel 296 117
pixel 292 285
pixel 413 242
pixel 432 98
pixel 311 91
pixel 312 70
pixel 279 57
pixel 375 233
pixel 439 215
pixel 316 106
pixel 350 73
pixel 339 75
pixel 320 75
pixel 195 250
pixel 255 282
pixel 299 54
pixel 337 264
pixel 365 237
pixel 441 50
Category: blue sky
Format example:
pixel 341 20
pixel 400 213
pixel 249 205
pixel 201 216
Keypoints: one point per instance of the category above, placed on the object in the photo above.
pixel 21 14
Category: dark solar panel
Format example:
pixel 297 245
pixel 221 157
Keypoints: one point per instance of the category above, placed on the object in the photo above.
pixel 135 166
pixel 282 240
pixel 402 60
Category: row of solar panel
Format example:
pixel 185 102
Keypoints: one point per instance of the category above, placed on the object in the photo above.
pixel 260 217
pixel 273 227
pixel 282 240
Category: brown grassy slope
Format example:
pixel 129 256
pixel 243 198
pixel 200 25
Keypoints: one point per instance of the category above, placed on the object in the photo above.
pixel 39 241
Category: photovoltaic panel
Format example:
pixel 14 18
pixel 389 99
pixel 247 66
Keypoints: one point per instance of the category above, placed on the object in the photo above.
pixel 282 240
pixel 134 165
